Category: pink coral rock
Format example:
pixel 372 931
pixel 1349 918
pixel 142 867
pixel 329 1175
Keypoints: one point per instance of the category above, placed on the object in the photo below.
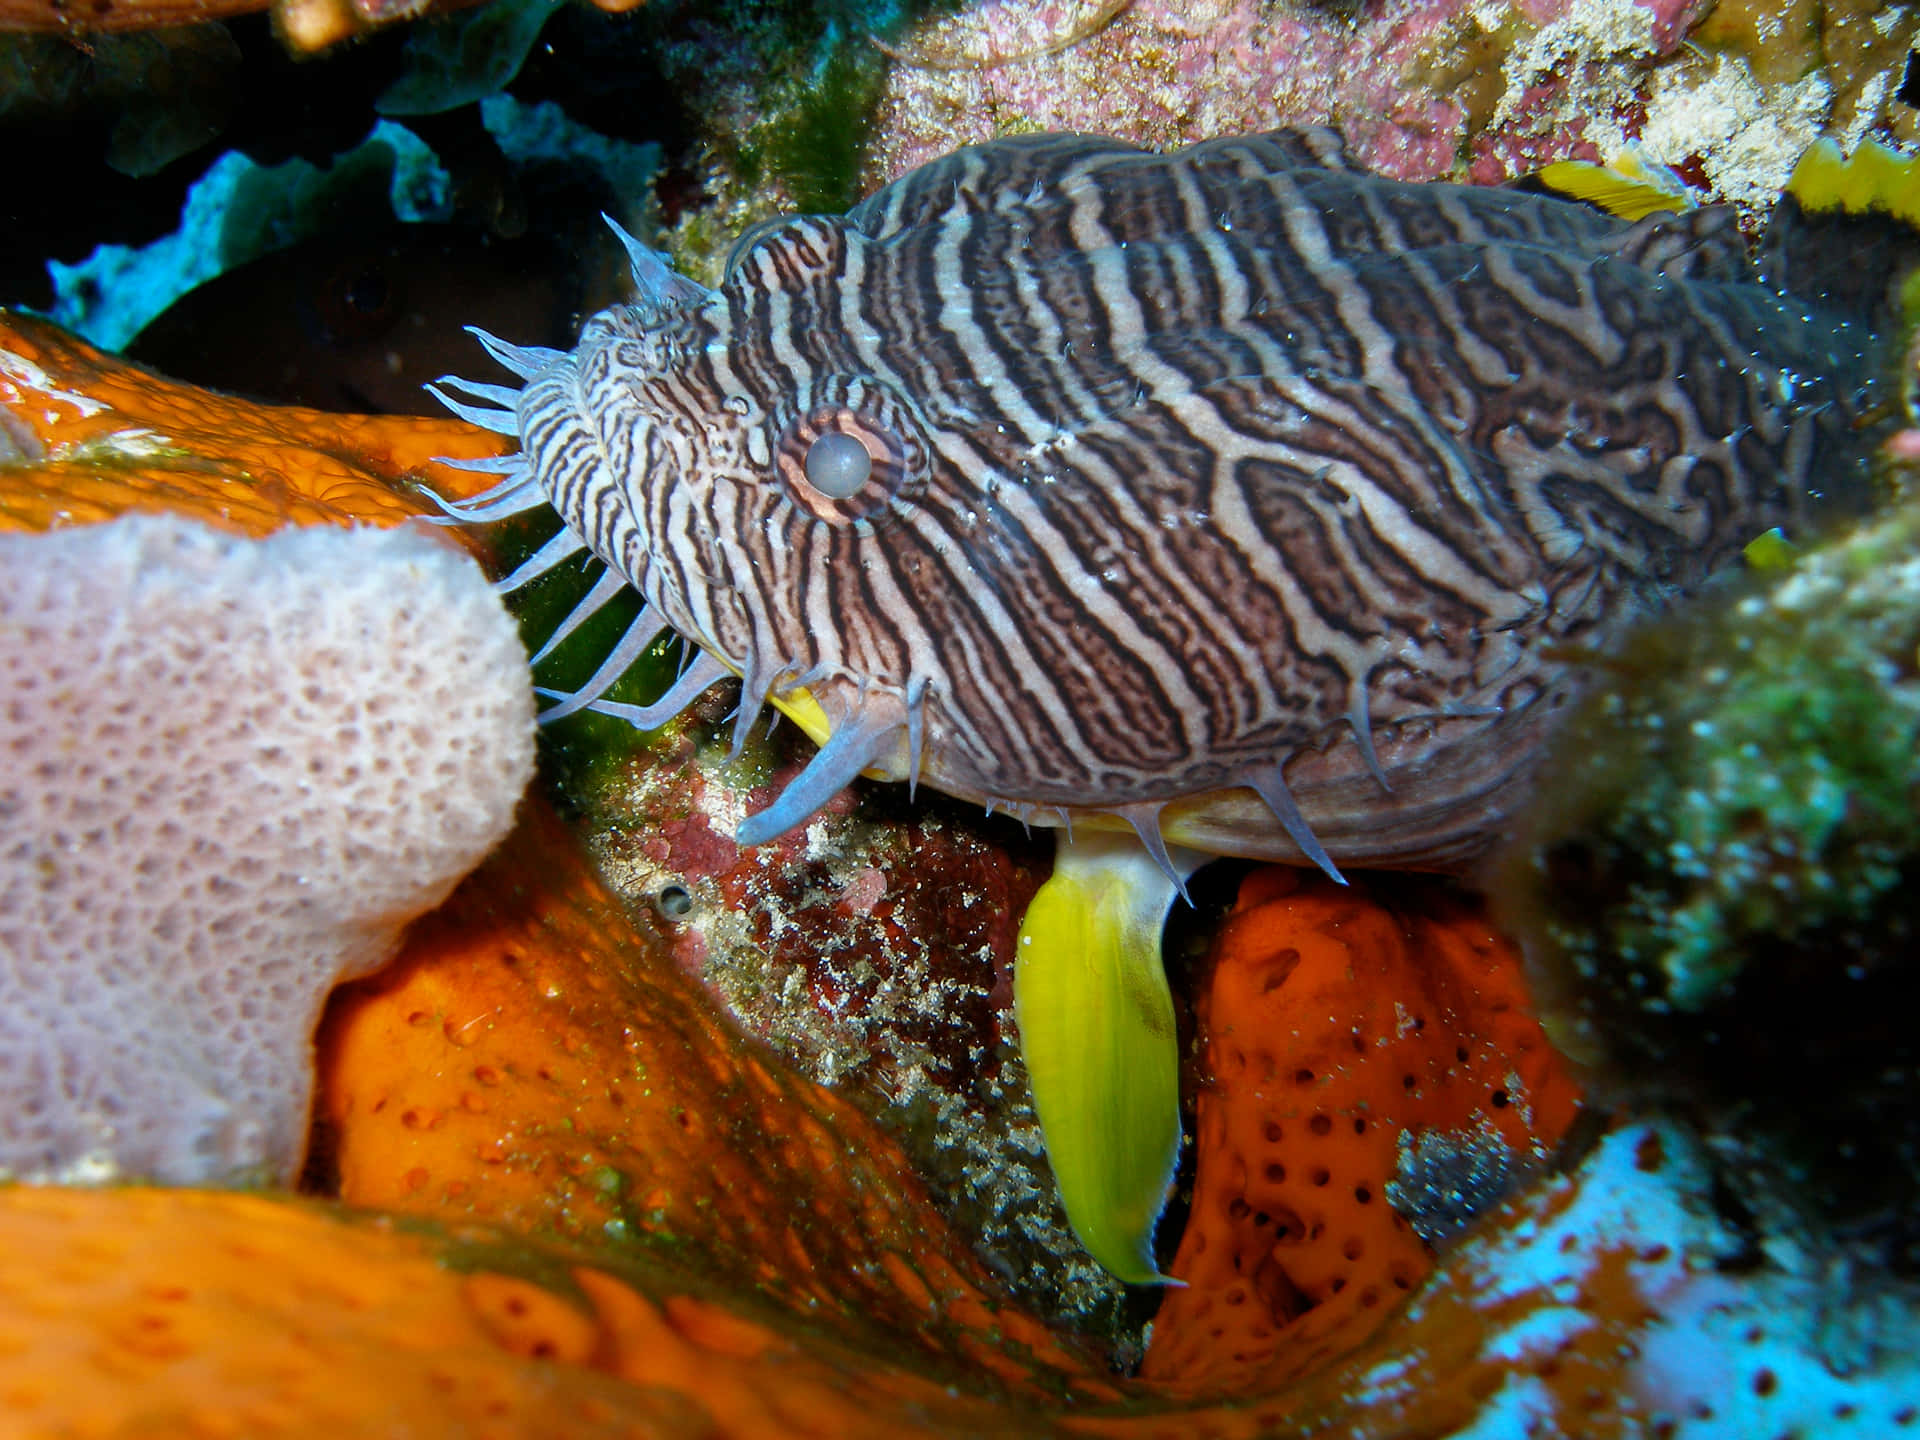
pixel 1422 89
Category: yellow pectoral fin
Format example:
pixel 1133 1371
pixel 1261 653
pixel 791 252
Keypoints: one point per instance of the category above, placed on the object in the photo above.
pixel 1097 1033
pixel 1631 187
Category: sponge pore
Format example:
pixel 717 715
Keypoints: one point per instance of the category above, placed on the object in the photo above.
pixel 230 772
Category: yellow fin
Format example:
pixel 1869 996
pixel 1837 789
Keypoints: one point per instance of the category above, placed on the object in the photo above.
pixel 1097 1033
pixel 1873 179
pixel 1770 550
pixel 1631 186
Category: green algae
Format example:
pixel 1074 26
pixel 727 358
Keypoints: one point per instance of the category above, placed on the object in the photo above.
pixel 816 134
pixel 1749 779
pixel 1716 886
pixel 790 96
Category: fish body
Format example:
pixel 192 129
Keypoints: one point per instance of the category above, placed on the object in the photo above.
pixel 1235 492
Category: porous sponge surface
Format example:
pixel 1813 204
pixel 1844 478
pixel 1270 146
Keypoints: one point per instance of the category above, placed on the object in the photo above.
pixel 230 771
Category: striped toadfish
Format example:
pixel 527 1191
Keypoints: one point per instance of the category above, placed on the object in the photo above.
pixel 1233 500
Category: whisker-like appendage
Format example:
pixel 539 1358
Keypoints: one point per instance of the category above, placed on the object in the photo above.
pixel 1145 820
pixel 756 683
pixel 1359 717
pixel 610 584
pixel 656 284
pixel 693 683
pixel 505 396
pixel 515 464
pixel 526 361
pixel 515 497
pixel 644 630
pixel 854 745
pixel 1272 788
pixel 555 553
pixel 916 730
pixel 501 422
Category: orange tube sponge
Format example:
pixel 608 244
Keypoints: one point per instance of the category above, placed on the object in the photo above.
pixel 529 1061
pixel 188 1313
pixel 87 437
pixel 234 770
pixel 1376 1075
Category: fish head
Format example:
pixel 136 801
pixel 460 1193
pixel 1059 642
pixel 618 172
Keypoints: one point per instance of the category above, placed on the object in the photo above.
pixel 737 456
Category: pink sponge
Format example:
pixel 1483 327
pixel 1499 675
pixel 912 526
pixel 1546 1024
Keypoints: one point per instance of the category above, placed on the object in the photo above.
pixel 230 772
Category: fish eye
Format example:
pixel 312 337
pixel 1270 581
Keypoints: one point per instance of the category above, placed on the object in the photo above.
pixel 852 455
pixel 838 465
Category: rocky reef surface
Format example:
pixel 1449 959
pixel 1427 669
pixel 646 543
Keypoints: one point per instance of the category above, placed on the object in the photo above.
pixel 642 1133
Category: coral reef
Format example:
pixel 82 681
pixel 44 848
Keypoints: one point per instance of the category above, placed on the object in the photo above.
pixel 1719 885
pixel 235 770
pixel 873 951
pixel 745 1252
pixel 1374 1079
pixel 1624 1299
pixel 1422 90
pixel 1616 1301
pixel 304 26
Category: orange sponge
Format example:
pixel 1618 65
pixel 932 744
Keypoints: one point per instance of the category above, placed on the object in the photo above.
pixel 1376 1077
pixel 179 1313
pixel 88 437
pixel 530 1062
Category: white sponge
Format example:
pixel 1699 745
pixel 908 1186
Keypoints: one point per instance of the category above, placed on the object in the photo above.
pixel 230 772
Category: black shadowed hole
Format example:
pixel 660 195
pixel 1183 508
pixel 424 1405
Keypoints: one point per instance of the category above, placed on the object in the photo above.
pixel 1320 1125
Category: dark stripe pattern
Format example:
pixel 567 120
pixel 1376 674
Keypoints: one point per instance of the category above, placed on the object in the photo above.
pixel 1203 468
